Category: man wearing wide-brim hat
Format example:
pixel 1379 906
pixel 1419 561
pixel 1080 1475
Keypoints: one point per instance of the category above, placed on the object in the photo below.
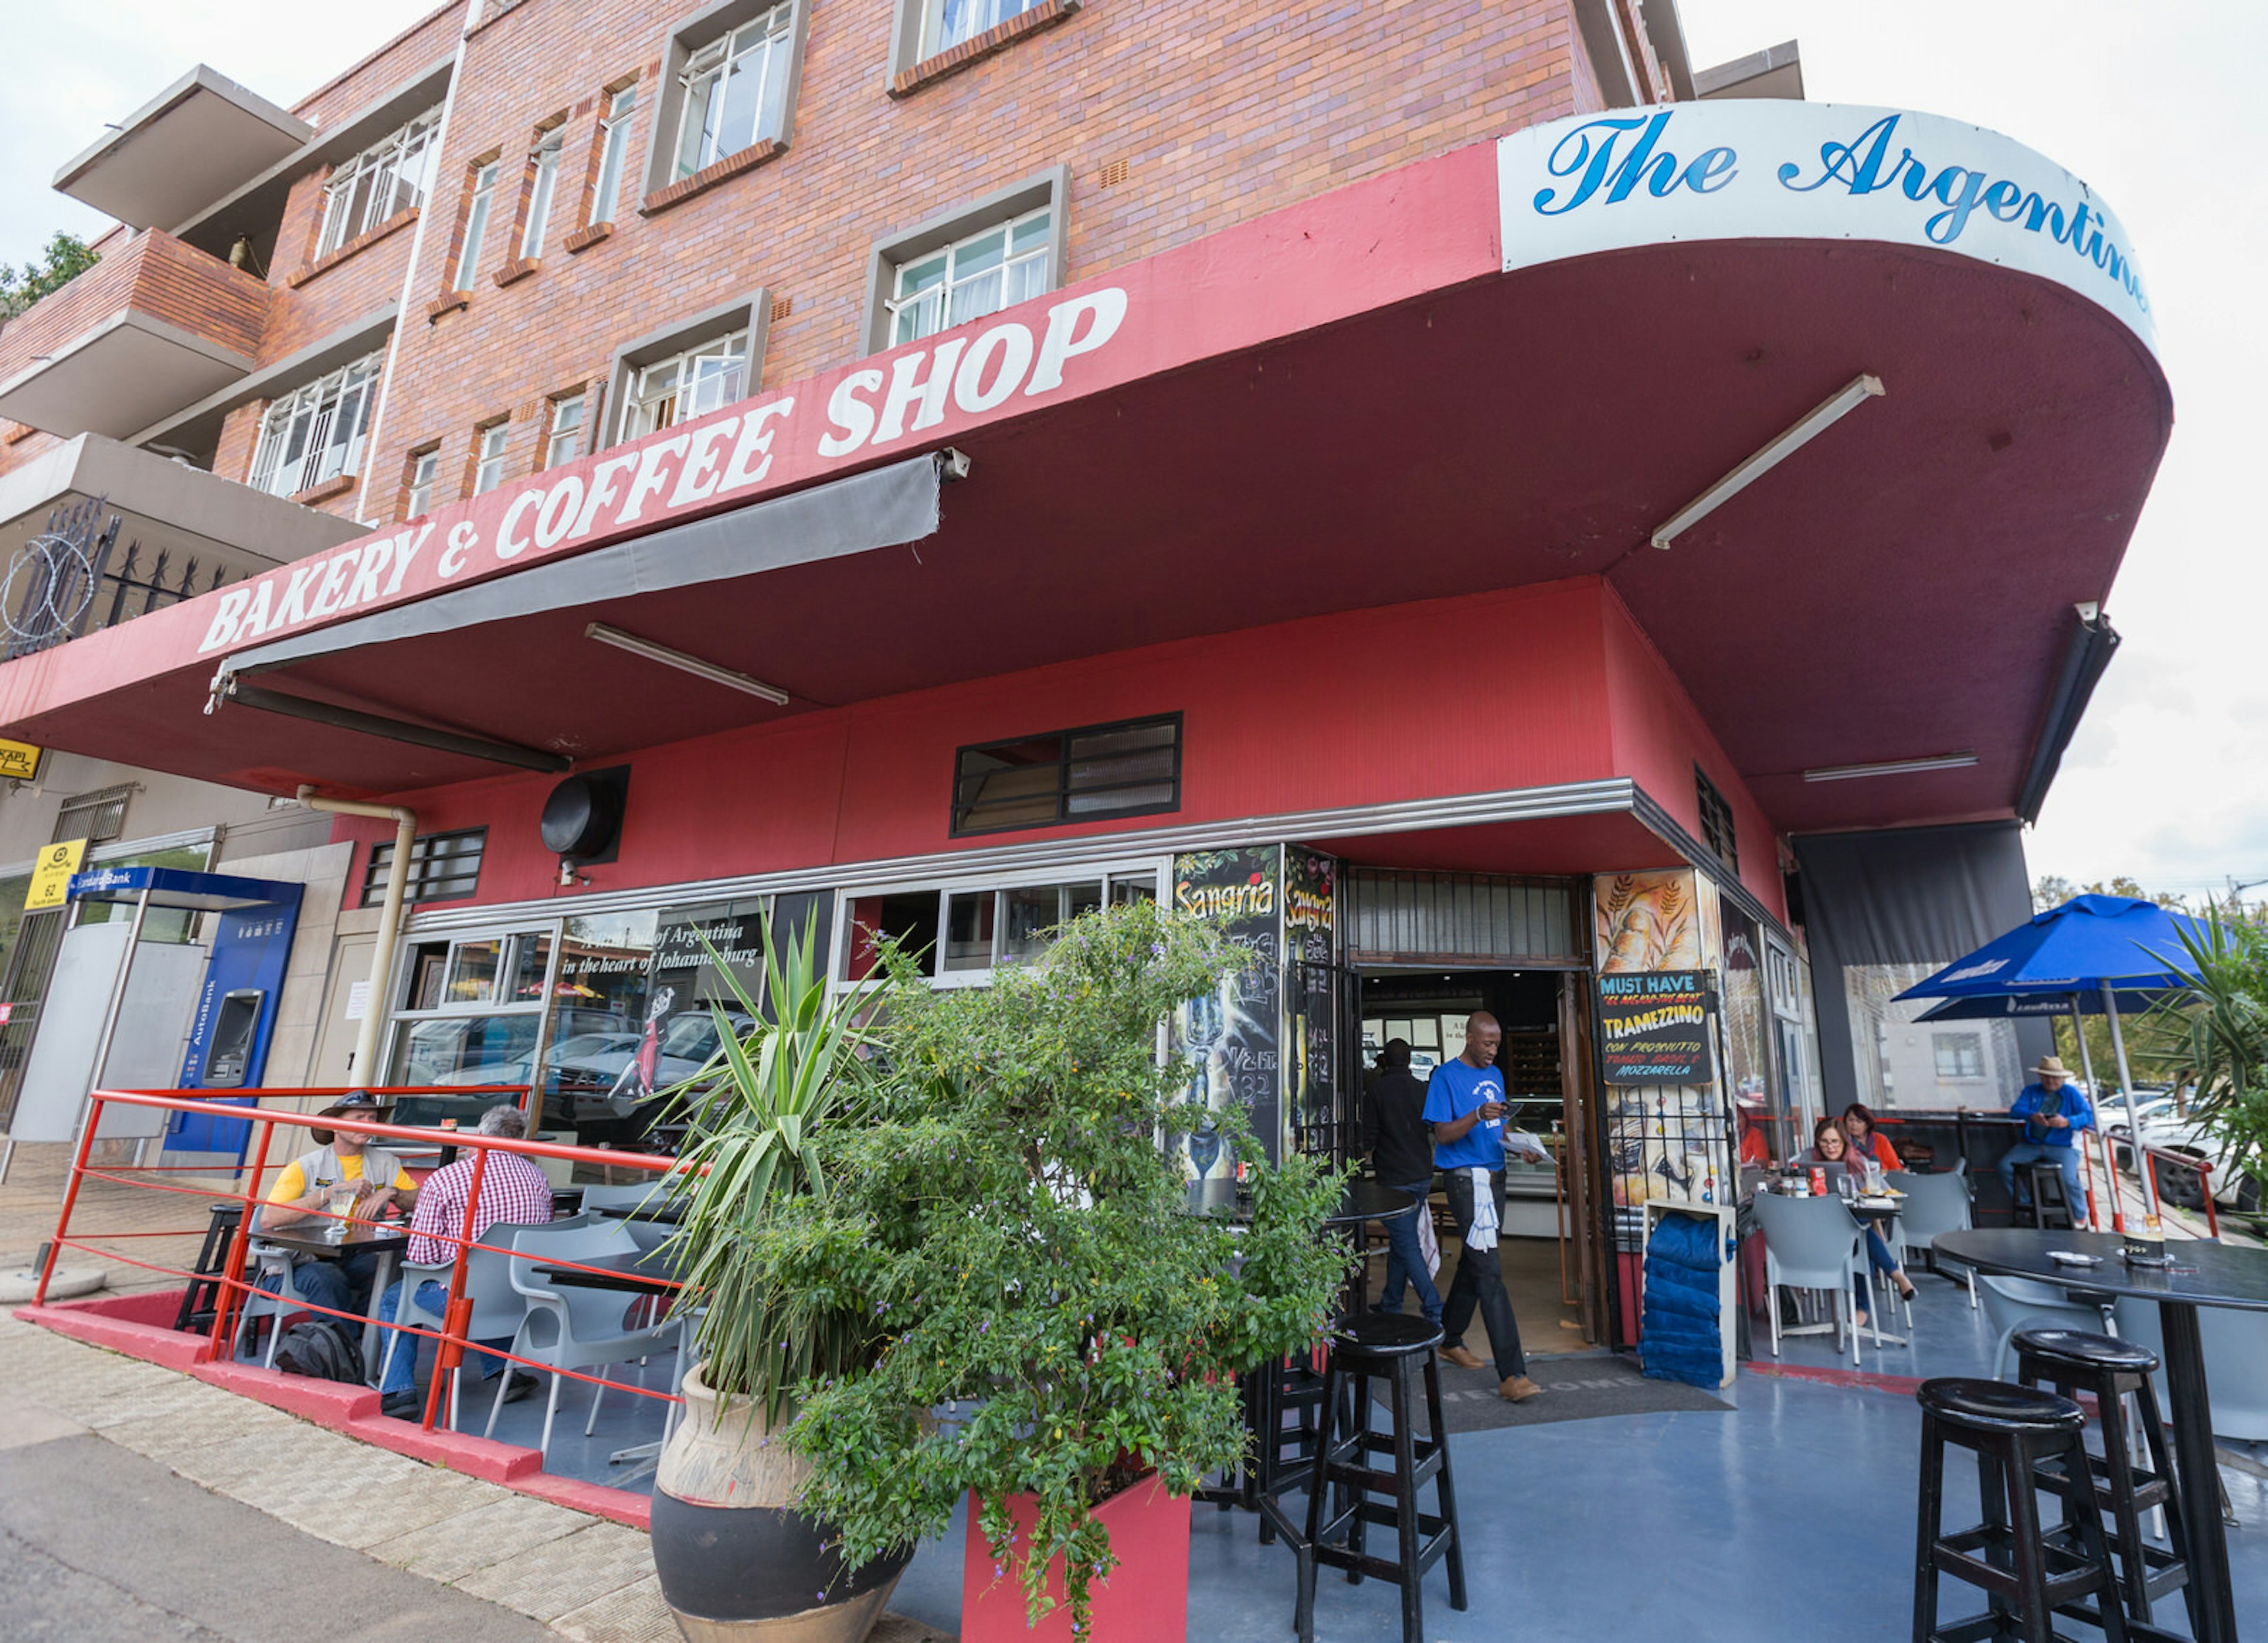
pixel 305 1190
pixel 2056 1111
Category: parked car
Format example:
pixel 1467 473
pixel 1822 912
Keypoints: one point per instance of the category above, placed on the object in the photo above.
pixel 2167 1127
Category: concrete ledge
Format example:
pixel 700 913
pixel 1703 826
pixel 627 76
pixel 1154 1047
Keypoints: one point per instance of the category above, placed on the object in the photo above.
pixel 139 1325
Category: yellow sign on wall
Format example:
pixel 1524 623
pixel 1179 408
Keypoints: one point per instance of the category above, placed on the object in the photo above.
pixel 19 761
pixel 51 874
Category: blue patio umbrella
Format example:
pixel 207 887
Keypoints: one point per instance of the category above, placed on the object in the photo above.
pixel 2106 947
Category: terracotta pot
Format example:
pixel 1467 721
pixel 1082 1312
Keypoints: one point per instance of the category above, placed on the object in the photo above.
pixel 1146 1597
pixel 736 1562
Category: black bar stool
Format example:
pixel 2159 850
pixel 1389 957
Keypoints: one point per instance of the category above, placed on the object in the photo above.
pixel 203 1291
pixel 2072 1360
pixel 1283 1452
pixel 2011 1430
pixel 2051 1206
pixel 1397 1349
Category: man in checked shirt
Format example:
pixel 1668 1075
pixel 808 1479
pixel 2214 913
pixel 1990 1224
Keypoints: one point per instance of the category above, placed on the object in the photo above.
pixel 513 1192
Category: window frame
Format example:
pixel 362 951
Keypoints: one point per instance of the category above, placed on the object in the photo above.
pixel 1970 1042
pixel 690 36
pixel 771 34
pixel 751 314
pixel 372 367
pixel 1105 872
pixel 428 459
pixel 616 122
pixel 1064 793
pixel 909 32
pixel 414 142
pixel 897 306
pixel 544 160
pixel 497 433
pixel 374 888
pixel 480 205
pixel 549 453
pixel 1050 188
pixel 1720 828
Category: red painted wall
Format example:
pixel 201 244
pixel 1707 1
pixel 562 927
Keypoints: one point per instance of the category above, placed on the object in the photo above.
pixel 1659 737
pixel 1496 691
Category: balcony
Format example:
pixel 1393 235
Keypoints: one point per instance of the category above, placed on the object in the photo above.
pixel 194 142
pixel 153 326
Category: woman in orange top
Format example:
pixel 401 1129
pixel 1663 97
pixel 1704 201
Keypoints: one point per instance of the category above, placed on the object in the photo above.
pixel 1859 1127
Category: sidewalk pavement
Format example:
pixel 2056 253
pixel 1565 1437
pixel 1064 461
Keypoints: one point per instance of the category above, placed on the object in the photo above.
pixel 86 1531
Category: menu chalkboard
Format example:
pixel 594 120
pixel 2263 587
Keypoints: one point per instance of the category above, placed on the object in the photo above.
pixel 1655 1027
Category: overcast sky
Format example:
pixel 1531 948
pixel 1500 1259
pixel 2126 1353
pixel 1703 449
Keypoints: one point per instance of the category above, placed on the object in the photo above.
pixel 2156 106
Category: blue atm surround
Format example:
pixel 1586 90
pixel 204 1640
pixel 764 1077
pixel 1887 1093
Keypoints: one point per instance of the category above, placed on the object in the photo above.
pixel 251 947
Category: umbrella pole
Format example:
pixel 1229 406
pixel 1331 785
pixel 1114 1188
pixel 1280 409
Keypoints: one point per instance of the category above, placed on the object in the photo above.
pixel 2153 1230
pixel 2094 1091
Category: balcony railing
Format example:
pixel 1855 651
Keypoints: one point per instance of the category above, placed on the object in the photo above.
pixel 155 326
pixel 74 578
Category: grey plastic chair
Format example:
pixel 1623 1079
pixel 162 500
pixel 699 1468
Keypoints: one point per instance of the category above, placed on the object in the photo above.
pixel 1934 1204
pixel 497 1307
pixel 2235 1350
pixel 620 1197
pixel 272 1268
pixel 1812 1243
pixel 572 1327
pixel 2013 1303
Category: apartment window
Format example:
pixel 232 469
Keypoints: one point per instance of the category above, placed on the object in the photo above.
pixel 442 867
pixel 1716 820
pixel 1959 1055
pixel 972 278
pixel 1086 775
pixel 388 177
pixel 316 433
pixel 96 817
pixel 735 91
pixel 476 225
pixel 687 385
pixel 423 466
pixel 947 23
pixel 563 443
pixel 487 473
pixel 614 154
pixel 959 934
pixel 545 158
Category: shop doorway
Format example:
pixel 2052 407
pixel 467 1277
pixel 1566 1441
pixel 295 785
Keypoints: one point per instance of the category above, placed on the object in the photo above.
pixel 1546 1251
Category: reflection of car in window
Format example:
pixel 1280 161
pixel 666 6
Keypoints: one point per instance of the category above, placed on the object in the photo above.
pixel 594 1084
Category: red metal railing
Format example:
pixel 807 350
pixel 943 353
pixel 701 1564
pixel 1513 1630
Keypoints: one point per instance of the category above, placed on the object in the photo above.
pixel 233 1288
pixel 2200 1167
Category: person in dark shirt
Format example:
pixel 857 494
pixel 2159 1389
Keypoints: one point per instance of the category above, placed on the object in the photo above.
pixel 1401 1149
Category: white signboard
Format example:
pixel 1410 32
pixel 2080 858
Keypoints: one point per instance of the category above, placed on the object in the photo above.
pixel 357 1000
pixel 1762 169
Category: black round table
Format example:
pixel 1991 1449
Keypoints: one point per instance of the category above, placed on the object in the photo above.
pixel 2204 1275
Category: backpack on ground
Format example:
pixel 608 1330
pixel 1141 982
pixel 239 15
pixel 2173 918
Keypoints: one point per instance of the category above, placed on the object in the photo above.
pixel 322 1349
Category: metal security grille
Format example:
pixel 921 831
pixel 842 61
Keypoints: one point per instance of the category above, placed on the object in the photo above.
pixel 442 867
pixel 1716 820
pixel 30 962
pixel 96 817
pixel 1453 919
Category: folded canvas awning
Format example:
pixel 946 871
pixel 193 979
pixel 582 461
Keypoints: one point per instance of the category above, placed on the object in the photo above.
pixel 881 508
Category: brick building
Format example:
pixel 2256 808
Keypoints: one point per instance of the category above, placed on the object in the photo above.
pixel 1456 493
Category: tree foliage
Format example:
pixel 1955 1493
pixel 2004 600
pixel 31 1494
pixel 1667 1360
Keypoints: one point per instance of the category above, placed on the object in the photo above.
pixel 65 258
pixel 2219 1024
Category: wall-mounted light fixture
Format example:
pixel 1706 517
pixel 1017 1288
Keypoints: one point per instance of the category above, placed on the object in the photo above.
pixel 1891 767
pixel 684 663
pixel 1807 428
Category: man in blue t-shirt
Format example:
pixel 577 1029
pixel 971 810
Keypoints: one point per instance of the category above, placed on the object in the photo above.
pixel 2055 1111
pixel 1464 1102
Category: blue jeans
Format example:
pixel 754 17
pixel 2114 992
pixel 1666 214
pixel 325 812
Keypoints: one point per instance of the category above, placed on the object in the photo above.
pixel 2064 1158
pixel 1405 1259
pixel 401 1368
pixel 343 1286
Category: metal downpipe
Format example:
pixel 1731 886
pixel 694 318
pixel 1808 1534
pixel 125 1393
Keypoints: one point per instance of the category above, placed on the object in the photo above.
pixel 389 918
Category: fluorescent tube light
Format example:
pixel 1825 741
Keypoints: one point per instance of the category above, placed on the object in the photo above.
pixel 1822 416
pixel 1891 767
pixel 685 664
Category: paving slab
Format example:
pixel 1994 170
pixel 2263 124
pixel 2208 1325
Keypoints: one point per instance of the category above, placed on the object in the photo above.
pixel 488 1534
pixel 635 1614
pixel 562 1575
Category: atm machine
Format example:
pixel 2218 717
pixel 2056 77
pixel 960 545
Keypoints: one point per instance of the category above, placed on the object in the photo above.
pixel 124 1012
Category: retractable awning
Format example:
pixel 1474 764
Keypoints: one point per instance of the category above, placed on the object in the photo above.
pixel 884 508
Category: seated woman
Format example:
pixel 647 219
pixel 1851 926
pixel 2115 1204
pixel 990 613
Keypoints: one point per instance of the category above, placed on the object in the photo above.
pixel 1865 1140
pixel 1830 1146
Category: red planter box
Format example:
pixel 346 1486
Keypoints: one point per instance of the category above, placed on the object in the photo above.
pixel 1145 1600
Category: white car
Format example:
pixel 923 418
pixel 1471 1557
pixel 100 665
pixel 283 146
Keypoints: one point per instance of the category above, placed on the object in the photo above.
pixel 2166 1129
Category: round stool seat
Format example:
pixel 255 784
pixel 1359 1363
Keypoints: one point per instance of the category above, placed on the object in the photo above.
pixel 1384 1335
pixel 1999 1406
pixel 2084 1351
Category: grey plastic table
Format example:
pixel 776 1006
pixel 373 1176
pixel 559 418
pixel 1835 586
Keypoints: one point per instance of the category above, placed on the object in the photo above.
pixel 2204 1275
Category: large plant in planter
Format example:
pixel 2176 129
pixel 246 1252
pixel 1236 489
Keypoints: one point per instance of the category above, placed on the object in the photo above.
pixel 1058 1324
pixel 2221 1021
pixel 734 1556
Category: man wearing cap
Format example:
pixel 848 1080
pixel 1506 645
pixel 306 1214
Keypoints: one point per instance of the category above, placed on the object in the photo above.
pixel 303 1194
pixel 2055 1110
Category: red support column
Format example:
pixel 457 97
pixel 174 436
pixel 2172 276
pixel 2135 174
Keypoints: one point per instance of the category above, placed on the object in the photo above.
pixel 459 1313
pixel 225 1307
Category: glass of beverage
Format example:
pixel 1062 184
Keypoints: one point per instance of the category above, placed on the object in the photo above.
pixel 342 1201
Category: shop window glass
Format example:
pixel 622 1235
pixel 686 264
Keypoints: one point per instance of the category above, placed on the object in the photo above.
pixel 1126 888
pixel 1901 1064
pixel 1085 775
pixel 492 1048
pixel 968 930
pixel 472 976
pixel 531 961
pixel 1747 1072
pixel 604 1038
pixel 909 919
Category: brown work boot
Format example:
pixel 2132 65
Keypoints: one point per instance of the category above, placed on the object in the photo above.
pixel 1519 1390
pixel 1460 1357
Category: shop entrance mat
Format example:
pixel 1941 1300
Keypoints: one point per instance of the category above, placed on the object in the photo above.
pixel 1591 1386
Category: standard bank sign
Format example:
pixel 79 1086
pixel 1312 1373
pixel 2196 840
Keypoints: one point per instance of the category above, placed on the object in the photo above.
pixel 1771 170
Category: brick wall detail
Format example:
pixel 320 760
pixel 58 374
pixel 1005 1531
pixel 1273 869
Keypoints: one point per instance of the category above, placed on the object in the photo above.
pixel 152 274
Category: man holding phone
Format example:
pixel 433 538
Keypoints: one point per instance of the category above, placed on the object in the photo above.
pixel 1465 1104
